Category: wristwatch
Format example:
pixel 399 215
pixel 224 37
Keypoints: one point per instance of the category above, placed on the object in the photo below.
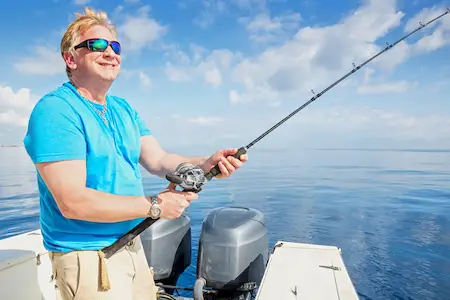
pixel 155 211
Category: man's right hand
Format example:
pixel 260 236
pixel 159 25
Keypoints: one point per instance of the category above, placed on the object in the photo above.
pixel 173 202
pixel 66 181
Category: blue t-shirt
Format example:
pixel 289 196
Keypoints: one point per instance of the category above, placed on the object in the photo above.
pixel 64 126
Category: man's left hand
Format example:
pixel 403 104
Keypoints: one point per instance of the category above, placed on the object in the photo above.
pixel 227 163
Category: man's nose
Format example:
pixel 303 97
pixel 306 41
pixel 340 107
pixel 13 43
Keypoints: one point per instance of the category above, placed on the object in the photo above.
pixel 109 51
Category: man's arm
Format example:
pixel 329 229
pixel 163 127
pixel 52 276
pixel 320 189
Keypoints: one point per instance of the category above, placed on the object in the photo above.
pixel 158 162
pixel 66 180
pixel 56 144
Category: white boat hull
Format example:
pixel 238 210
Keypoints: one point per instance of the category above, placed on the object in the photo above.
pixel 25 269
pixel 294 271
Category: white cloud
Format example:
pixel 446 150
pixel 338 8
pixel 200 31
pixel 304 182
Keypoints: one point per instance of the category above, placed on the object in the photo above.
pixel 383 123
pixel 205 120
pixel 212 67
pixel 45 61
pixel 141 76
pixel 81 2
pixel 310 59
pixel 139 31
pixel 198 120
pixel 434 41
pixel 333 126
pixel 316 56
pixel 15 106
pixel 250 4
pixel 213 9
pixel 116 12
pixel 176 74
pixel 136 31
pixel 144 79
pixel 425 15
pixel 212 76
pixel 262 28
pixel 234 97
pixel 392 87
pixel 367 87
pixel 438 33
pixel 257 94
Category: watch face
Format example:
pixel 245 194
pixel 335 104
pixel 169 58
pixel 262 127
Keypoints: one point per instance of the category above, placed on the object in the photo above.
pixel 156 211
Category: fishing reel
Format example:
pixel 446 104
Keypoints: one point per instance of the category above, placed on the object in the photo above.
pixel 189 177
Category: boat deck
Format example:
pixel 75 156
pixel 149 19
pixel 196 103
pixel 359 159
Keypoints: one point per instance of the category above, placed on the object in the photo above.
pixel 306 271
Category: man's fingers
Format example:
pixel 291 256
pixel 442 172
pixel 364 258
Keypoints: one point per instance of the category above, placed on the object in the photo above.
pixel 233 151
pixel 171 186
pixel 223 169
pixel 244 157
pixel 234 161
pixel 183 204
pixel 228 151
pixel 191 196
pixel 227 164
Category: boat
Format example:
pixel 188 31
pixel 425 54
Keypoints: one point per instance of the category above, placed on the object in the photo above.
pixel 234 262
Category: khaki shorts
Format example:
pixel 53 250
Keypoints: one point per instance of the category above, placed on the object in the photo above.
pixel 77 275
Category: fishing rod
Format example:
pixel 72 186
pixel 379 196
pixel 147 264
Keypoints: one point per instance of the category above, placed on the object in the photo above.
pixel 191 178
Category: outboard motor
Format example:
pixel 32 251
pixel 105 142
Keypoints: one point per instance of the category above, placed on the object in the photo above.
pixel 167 245
pixel 232 253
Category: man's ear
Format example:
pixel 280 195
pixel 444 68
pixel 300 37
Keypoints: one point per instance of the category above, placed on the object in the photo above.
pixel 70 60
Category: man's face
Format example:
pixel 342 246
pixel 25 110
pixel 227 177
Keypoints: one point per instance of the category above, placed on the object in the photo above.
pixel 91 64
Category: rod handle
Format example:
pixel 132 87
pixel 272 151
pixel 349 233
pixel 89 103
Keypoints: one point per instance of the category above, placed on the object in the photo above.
pixel 216 170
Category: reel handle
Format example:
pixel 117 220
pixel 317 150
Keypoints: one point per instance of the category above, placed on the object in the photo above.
pixel 178 180
pixel 174 178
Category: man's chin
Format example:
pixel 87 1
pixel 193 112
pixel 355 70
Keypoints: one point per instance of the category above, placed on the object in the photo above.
pixel 110 76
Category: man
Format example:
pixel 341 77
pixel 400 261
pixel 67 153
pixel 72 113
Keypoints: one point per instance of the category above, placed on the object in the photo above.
pixel 87 146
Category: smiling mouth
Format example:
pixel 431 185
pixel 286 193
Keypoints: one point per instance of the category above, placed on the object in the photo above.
pixel 107 65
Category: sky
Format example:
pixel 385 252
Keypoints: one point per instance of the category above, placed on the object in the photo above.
pixel 216 73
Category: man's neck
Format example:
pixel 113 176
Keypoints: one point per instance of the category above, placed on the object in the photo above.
pixel 96 93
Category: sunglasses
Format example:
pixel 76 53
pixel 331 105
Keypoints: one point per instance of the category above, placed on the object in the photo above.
pixel 99 45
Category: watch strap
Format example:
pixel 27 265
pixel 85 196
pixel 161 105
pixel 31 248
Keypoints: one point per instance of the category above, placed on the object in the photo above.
pixel 154 200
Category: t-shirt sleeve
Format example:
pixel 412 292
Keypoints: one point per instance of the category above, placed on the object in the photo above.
pixel 143 129
pixel 55 132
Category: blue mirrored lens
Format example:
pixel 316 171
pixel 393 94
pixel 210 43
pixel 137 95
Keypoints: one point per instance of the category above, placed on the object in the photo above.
pixel 116 47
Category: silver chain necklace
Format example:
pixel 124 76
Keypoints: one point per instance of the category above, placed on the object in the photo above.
pixel 102 112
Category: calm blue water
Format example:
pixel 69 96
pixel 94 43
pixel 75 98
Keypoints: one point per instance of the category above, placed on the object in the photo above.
pixel 389 211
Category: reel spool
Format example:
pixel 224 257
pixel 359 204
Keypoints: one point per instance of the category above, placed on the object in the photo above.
pixel 189 177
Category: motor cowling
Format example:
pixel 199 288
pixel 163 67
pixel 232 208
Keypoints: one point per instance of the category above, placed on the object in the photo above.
pixel 233 249
pixel 168 248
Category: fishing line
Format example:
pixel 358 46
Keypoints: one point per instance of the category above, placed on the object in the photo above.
pixel 192 178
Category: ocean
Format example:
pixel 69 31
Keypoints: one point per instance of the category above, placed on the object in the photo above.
pixel 388 210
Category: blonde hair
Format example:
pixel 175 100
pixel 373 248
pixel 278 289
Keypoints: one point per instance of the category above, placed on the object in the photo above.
pixel 81 24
